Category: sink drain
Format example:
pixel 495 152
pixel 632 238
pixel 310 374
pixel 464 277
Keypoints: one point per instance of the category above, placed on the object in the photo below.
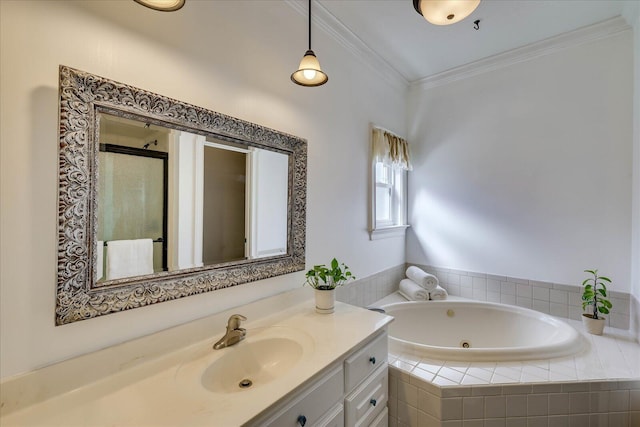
pixel 245 383
pixel 465 344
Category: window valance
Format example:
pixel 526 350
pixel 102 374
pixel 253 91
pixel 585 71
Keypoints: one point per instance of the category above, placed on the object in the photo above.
pixel 391 149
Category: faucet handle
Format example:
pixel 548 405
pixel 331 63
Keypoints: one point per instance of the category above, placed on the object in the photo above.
pixel 234 321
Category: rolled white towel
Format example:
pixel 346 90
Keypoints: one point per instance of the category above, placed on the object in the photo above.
pixel 439 293
pixel 422 278
pixel 412 291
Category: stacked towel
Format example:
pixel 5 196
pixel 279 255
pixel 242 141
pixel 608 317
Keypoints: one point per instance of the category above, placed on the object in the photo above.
pixel 427 282
pixel 412 291
pixel 422 278
pixel 439 293
pixel 127 258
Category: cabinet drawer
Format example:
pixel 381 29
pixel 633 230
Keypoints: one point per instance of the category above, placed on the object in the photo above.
pixel 313 404
pixel 365 361
pixel 381 420
pixel 366 402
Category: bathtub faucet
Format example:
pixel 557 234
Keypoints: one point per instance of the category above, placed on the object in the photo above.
pixel 234 334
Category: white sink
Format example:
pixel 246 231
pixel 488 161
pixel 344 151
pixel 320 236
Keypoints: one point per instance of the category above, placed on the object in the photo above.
pixel 266 355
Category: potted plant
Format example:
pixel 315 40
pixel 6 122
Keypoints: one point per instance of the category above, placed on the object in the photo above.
pixel 325 280
pixel 595 296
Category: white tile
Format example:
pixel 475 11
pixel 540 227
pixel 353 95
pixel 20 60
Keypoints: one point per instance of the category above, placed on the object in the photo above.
pixel 541 306
pixel 430 365
pixel 493 285
pixel 429 403
pixel 494 422
pixel 495 406
pixel 558 421
pixel 507 288
pixel 517 405
pixel 470 380
pixel 537 404
pixel 508 299
pixel 523 291
pixel 451 374
pixel 466 281
pixel 407 393
pixel 558 403
pixel 483 374
pixel 524 302
pixel 443 382
pixel 451 408
pixel 560 310
pixel 472 407
pixel 579 403
pixel 559 297
pixel 473 423
pixel 618 400
pixel 540 293
pixel 493 296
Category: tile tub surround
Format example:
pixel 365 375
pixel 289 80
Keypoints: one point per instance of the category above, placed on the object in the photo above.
pixel 557 299
pixel 137 383
pixel 599 387
pixel 366 291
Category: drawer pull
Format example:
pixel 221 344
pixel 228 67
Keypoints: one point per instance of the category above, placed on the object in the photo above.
pixel 373 402
pixel 302 420
pixel 372 360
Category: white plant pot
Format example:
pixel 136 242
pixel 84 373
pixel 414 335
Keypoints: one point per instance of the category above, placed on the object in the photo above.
pixel 325 300
pixel 593 326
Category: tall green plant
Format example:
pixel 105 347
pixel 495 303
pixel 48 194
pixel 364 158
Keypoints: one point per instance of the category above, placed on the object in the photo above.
pixel 595 293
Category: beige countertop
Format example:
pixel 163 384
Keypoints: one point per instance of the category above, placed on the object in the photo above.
pixel 155 380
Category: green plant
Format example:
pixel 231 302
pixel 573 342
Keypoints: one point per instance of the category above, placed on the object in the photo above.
pixel 595 293
pixel 325 278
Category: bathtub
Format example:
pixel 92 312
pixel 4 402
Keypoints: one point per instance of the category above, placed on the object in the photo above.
pixel 478 331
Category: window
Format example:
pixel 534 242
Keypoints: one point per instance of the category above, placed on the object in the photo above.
pixel 390 162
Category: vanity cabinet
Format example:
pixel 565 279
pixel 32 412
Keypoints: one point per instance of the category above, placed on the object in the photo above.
pixel 352 392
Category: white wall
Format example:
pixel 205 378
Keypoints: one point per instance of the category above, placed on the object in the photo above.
pixel 633 17
pixel 238 63
pixel 525 171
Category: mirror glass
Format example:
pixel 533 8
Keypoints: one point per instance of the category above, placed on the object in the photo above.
pixel 170 199
pixel 159 199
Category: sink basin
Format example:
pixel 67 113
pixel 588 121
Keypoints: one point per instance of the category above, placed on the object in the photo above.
pixel 252 365
pixel 266 355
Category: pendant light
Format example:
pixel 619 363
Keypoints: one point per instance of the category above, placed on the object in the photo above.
pixel 309 72
pixel 445 12
pixel 162 5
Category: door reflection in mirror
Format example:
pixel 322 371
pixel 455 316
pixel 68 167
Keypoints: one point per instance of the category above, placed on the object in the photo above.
pixel 170 200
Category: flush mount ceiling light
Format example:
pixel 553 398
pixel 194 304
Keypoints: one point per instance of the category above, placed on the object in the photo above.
pixel 445 12
pixel 309 72
pixel 162 5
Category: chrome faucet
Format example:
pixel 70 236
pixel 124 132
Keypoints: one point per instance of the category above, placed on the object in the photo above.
pixel 234 334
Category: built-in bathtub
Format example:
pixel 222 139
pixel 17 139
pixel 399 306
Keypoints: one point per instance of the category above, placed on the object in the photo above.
pixel 598 385
pixel 479 331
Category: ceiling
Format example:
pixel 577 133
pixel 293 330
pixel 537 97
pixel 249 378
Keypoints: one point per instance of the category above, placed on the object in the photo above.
pixel 417 49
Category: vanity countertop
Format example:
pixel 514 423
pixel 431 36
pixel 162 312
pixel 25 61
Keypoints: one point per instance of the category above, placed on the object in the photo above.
pixel 143 383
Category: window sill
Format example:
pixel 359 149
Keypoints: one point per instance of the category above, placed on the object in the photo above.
pixel 387 232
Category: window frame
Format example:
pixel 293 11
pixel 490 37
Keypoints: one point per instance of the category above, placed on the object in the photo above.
pixel 398 203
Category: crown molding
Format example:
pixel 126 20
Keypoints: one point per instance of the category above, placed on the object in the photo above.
pixel 591 33
pixel 332 26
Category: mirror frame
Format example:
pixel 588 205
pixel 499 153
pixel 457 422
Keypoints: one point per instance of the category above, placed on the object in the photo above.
pixel 82 97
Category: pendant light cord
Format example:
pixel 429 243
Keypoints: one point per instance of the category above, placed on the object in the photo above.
pixel 309 24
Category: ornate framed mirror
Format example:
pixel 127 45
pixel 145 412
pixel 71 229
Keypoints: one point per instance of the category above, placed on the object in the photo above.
pixel 159 199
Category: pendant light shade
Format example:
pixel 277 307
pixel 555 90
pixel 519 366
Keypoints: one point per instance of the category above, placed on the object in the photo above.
pixel 445 12
pixel 162 5
pixel 309 72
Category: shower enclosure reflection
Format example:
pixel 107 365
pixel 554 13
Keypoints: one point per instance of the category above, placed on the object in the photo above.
pixel 170 200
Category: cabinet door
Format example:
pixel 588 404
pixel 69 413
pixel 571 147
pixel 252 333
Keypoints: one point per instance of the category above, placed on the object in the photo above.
pixel 335 418
pixel 365 403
